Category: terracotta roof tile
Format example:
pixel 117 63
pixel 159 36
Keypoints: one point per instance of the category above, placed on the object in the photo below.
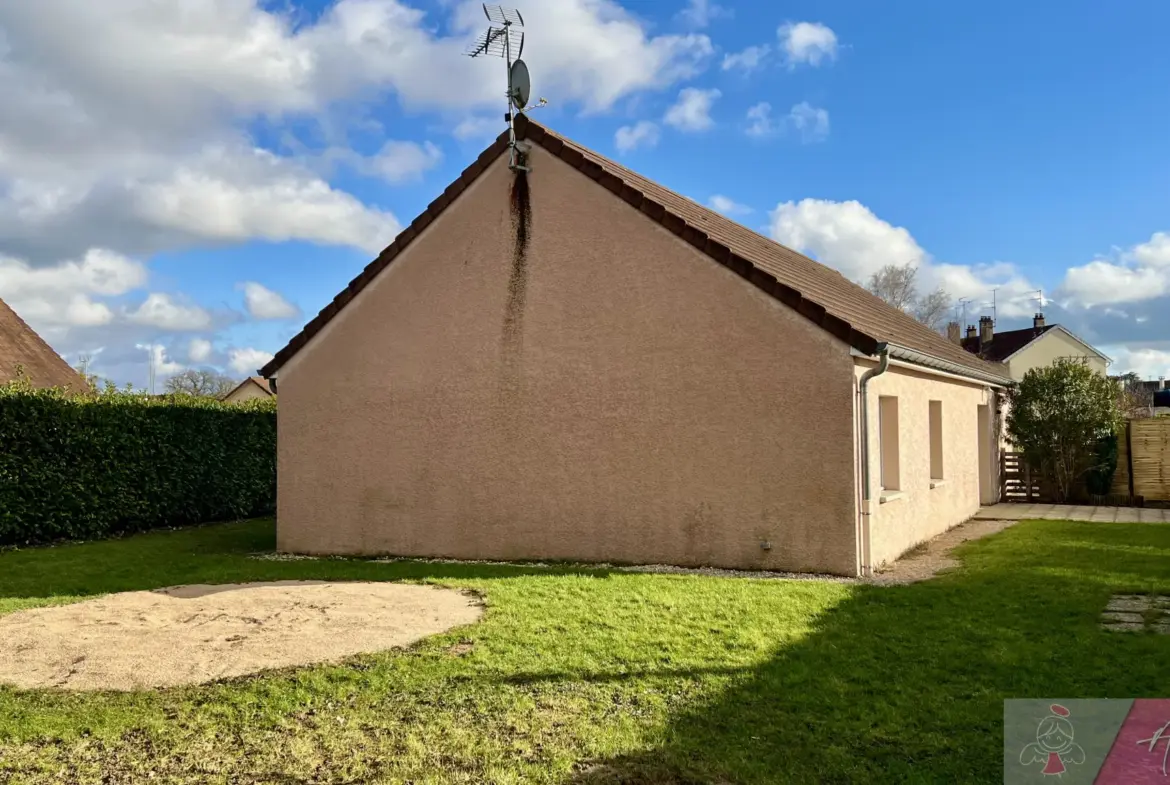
pixel 20 345
pixel 820 293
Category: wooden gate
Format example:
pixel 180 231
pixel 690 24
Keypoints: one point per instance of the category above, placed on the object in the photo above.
pixel 1019 483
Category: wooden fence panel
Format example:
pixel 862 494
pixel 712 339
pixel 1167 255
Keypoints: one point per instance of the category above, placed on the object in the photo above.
pixel 1018 483
pixel 1150 457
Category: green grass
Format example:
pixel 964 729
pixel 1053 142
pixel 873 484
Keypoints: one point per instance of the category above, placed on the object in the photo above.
pixel 586 676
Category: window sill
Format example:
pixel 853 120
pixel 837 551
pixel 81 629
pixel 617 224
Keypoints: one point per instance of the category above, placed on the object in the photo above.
pixel 890 496
pixel 937 484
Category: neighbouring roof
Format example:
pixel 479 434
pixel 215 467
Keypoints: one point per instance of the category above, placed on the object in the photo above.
pixel 1005 344
pixel 20 345
pixel 816 291
pixel 259 381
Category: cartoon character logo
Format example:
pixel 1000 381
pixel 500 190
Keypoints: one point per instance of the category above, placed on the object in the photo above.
pixel 1054 746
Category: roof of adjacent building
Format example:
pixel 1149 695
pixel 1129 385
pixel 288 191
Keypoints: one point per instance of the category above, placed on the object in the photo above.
pixel 21 346
pixel 1004 344
pixel 820 293
pixel 1007 343
pixel 259 381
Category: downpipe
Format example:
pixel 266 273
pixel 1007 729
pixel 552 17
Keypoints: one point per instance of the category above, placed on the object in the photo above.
pixel 866 489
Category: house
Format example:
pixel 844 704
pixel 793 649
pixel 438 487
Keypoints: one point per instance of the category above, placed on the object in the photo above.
pixel 575 363
pixel 1034 347
pixel 248 390
pixel 21 347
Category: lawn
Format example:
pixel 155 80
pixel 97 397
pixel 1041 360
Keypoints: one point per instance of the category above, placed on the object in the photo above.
pixel 587 677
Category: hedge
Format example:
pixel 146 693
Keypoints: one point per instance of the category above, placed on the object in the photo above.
pixel 85 467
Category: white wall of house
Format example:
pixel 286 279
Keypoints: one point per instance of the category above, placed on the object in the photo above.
pixel 1049 347
pixel 933 457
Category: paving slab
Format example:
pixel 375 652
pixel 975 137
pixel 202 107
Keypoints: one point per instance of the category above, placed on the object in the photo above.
pixel 1012 511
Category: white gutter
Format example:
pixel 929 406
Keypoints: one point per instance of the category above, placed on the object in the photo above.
pixel 927 363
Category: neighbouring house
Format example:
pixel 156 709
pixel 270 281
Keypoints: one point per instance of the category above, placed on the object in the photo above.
pixel 21 347
pixel 1032 347
pixel 248 390
pixel 578 364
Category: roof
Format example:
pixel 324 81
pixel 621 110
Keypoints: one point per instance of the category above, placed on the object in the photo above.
pixel 259 381
pixel 20 345
pixel 1007 343
pixel 820 293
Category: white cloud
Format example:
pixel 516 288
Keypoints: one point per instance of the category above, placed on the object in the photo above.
pixel 812 123
pixel 199 350
pixel 157 354
pixel 1139 273
pixel 746 60
pixel 64 295
pixel 1146 362
pixel 479 128
pixel 850 238
pixel 263 303
pixel 248 361
pixel 807 42
pixel 234 197
pixel 844 235
pixel 110 106
pixel 631 137
pixel 700 13
pixel 760 122
pixel 161 311
pixel 727 206
pixel 396 162
pixel 692 110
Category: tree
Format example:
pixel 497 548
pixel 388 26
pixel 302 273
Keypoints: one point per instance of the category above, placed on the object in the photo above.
pixel 1058 417
pixel 201 381
pixel 897 285
pixel 1134 399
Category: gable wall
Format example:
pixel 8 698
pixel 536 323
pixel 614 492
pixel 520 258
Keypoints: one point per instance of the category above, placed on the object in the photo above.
pixel 618 397
pixel 1052 345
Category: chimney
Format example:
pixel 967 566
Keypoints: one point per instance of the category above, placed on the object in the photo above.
pixel 1038 321
pixel 954 333
pixel 986 331
pixel 971 331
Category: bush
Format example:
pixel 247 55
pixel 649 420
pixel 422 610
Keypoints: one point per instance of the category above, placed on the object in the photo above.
pixel 88 466
pixel 1059 414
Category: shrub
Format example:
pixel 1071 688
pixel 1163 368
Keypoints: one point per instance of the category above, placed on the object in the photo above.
pixel 1058 416
pixel 88 466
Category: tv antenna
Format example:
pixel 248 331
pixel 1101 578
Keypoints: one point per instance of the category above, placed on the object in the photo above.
pixel 502 39
pixel 963 309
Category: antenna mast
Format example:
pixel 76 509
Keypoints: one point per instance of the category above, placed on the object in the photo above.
pixel 963 309
pixel 994 313
pixel 500 40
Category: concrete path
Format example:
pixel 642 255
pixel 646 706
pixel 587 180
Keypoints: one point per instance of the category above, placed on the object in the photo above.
pixel 1072 512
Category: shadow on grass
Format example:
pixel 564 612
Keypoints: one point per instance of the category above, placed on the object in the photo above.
pixel 906 684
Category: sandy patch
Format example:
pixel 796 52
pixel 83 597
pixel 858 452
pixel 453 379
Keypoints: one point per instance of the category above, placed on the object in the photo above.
pixel 194 634
pixel 933 556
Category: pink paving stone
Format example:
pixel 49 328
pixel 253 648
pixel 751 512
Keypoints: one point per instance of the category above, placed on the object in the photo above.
pixel 1141 753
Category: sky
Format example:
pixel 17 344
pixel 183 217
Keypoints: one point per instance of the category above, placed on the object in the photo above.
pixel 185 184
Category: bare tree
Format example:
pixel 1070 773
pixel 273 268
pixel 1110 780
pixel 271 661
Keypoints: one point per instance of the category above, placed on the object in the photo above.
pixel 201 381
pixel 897 285
pixel 1134 398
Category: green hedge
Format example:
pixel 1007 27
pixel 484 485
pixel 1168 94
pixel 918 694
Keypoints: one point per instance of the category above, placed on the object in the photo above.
pixel 89 466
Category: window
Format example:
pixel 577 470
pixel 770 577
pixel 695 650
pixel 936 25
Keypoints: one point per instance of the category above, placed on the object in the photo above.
pixel 888 436
pixel 936 441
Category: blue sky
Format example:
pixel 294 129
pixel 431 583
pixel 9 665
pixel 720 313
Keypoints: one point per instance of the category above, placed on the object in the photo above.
pixel 207 199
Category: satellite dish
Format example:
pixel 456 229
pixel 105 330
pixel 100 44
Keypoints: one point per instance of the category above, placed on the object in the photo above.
pixel 521 85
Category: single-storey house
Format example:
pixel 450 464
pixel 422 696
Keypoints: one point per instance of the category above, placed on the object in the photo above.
pixel 22 349
pixel 249 390
pixel 574 363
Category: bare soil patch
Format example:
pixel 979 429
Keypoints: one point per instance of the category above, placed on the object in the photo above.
pixel 200 633
pixel 927 559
